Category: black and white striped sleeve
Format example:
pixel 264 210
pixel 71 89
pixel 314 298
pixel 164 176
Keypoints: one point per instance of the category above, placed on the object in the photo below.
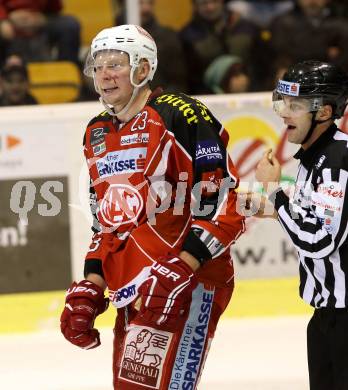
pixel 320 229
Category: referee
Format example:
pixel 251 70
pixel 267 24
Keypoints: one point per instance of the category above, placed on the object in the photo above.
pixel 309 98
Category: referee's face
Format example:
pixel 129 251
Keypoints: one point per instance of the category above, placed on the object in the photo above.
pixel 297 126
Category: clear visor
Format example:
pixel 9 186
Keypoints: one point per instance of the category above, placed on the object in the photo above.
pixel 285 105
pixel 105 59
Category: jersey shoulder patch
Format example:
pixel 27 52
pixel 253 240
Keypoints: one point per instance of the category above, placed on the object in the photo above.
pixel 102 117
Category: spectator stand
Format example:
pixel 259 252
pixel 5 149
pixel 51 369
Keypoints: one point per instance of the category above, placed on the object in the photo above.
pixel 54 82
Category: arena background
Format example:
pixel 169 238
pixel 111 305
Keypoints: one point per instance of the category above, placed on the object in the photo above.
pixel 45 231
pixel 42 166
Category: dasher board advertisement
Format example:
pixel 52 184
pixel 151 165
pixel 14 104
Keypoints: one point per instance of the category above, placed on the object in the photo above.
pixel 35 253
pixel 43 142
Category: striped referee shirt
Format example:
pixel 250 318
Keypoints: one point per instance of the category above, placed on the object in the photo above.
pixel 315 219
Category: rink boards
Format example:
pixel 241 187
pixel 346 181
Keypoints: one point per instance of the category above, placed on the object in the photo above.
pixel 29 312
pixel 41 159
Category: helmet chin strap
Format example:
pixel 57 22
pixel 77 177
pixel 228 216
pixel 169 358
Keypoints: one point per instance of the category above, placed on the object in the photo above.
pixel 314 123
pixel 110 109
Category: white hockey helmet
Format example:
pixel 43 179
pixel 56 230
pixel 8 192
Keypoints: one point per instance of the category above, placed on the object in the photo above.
pixel 128 38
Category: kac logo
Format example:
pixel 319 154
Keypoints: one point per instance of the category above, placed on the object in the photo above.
pixel 121 204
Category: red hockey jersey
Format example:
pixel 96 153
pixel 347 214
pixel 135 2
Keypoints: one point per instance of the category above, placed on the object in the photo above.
pixel 161 183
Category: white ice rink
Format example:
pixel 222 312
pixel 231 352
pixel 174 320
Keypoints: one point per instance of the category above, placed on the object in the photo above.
pixel 246 354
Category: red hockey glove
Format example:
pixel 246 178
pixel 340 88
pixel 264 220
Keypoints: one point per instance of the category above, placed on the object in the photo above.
pixel 84 301
pixel 166 291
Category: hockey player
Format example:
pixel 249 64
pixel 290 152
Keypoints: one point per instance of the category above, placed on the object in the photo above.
pixel 164 203
pixel 309 98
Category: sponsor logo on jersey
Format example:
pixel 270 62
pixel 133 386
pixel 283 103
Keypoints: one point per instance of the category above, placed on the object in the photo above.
pixel 208 152
pixel 121 204
pixel 288 88
pixel 211 181
pixel 142 138
pixel 190 354
pixel 185 108
pixel 156 123
pixel 188 108
pixel 123 293
pixel 326 206
pixel 144 356
pixel 128 292
pixel 99 149
pixel 122 161
pixel 97 135
pixel 331 190
pixel 328 198
pixel 327 223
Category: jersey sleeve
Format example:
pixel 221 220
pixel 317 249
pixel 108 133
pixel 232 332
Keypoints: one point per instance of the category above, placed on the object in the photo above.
pixel 221 227
pixel 321 228
pixel 96 251
pixel 216 224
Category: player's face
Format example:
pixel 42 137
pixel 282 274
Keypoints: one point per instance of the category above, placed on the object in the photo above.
pixel 112 77
pixel 297 118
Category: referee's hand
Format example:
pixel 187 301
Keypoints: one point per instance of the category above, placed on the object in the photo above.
pixel 268 171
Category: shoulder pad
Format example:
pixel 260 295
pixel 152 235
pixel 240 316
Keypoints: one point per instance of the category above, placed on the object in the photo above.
pixel 103 116
pixel 188 119
pixel 190 110
pixel 336 153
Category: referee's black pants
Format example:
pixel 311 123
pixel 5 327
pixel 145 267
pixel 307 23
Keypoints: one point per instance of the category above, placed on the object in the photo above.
pixel 327 349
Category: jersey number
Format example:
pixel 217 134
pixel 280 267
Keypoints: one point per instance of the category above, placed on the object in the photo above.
pixel 140 121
